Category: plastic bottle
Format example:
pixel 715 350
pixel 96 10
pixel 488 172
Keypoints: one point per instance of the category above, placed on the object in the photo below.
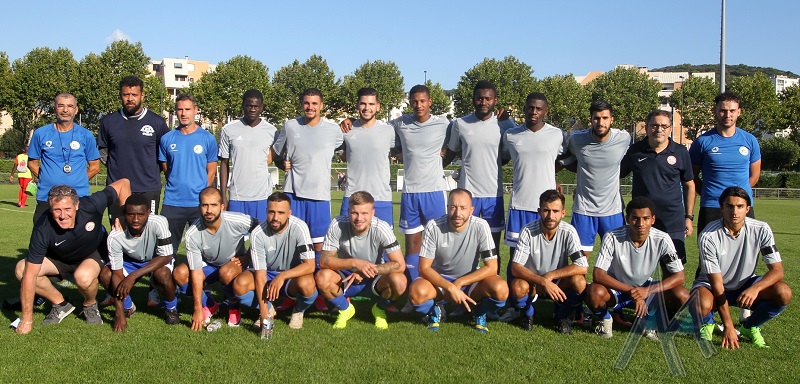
pixel 215 325
pixel 267 326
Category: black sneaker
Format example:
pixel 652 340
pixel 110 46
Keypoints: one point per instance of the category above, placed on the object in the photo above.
pixel 172 317
pixel 58 313
pixel 565 326
pixel 526 322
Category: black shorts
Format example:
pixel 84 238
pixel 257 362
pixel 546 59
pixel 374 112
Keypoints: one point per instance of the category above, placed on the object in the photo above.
pixel 66 270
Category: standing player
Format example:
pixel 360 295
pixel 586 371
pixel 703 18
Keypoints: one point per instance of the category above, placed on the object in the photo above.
pixel 367 146
pixel 128 142
pixel 729 250
pixel 143 248
pixel 549 261
pixel 533 149
pixel 247 143
pixel 214 252
pixel 282 262
pixel 453 247
pixel 476 138
pixel 662 173
pixel 62 153
pixel 598 151
pixel 628 257
pixel 67 241
pixel 188 157
pixel 360 241
pixel 422 138
pixel 24 176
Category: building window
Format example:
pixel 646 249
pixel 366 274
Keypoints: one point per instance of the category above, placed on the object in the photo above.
pixel 156 67
pixel 178 65
pixel 191 79
pixel 180 78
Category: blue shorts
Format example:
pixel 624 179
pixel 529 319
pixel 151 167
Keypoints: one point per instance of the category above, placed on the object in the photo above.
pixel 315 213
pixel 590 226
pixel 257 208
pixel 211 272
pixel 285 289
pixel 518 219
pixel 490 209
pixel 364 289
pixel 383 210
pixel 130 266
pixel 416 209
pixel 624 300
pixel 466 289
pixel 732 295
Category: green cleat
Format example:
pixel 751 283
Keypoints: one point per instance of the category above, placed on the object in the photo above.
pixel 344 315
pixel 380 318
pixel 706 331
pixel 754 334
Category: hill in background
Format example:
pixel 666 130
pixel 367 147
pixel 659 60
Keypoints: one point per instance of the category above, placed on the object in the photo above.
pixel 731 70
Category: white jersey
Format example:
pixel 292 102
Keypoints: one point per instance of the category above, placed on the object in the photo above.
pixel 422 145
pixel 541 256
pixel 248 150
pixel 456 254
pixel 278 252
pixel 634 266
pixel 478 142
pixel 217 248
pixel 310 149
pixel 155 240
pixel 368 246
pixel 533 156
pixel 597 180
pixel 367 152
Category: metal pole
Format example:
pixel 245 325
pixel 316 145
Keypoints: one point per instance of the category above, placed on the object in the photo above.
pixel 426 77
pixel 722 51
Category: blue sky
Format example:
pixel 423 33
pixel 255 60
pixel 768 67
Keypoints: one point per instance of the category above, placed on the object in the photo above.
pixel 443 38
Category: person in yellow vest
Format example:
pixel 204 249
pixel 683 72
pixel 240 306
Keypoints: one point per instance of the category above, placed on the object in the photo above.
pixel 23 175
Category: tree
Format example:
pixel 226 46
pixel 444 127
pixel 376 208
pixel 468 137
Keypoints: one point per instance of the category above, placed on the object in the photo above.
pixel 567 100
pixel 789 112
pixel 758 101
pixel 385 77
pixel 694 100
pixel 291 81
pixel 440 102
pixel 219 93
pixel 632 94
pixel 6 77
pixel 512 78
pixel 156 96
pixel 779 153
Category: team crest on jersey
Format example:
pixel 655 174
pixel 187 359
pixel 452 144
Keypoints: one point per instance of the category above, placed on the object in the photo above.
pixel 147 130
pixel 198 149
pixel 744 151
pixel 75 145
pixel 715 149
pixel 173 146
pixel 671 160
pixel 89 226
pixel 48 144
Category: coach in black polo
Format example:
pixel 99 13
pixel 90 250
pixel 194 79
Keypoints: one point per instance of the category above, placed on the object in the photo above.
pixel 662 172
pixel 66 242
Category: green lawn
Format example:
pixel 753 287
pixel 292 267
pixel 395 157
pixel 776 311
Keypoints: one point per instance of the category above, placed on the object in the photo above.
pixel 151 351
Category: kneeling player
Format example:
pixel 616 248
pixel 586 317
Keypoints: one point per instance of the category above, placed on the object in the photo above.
pixel 360 240
pixel 452 247
pixel 282 261
pixel 131 256
pixel 628 257
pixel 541 264
pixel 729 249
pixel 214 252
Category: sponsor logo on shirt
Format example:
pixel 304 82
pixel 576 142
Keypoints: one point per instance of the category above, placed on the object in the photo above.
pixel 239 138
pixel 715 149
pixel 744 151
pixel 198 149
pixel 173 147
pixel 75 145
pixel 48 144
pixel 89 226
pixel 445 245
pixel 60 242
pixel 671 160
pixel 271 248
pixel 642 159
pixel 147 130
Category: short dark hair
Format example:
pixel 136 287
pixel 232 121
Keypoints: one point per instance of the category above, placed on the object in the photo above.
pixel 640 202
pixel 484 84
pixel 658 112
pixel 131 81
pixel 734 191
pixel 536 96
pixel 312 92
pixel 210 191
pixel 601 105
pixel 136 200
pixel 550 196
pixel 184 97
pixel 252 94
pixel 368 91
pixel 419 88
pixel 277 197
pixel 459 190
pixel 727 96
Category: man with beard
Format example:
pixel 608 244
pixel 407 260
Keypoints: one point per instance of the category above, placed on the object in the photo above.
pixel 247 144
pixel 282 262
pixel 214 252
pixel 128 142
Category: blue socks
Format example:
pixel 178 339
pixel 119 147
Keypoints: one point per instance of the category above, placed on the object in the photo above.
pixel 340 302
pixel 424 308
pixel 412 264
pixel 303 302
pixel 488 304
pixel 762 312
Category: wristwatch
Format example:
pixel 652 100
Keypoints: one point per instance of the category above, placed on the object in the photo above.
pixel 690 217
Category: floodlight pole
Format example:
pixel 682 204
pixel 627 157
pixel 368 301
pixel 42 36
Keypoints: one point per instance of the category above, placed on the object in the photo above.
pixel 722 51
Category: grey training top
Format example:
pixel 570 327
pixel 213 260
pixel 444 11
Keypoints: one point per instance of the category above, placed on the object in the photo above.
pixel 634 266
pixel 597 190
pixel 155 240
pixel 422 145
pixel 541 256
pixel 217 248
pixel 533 156
pixel 478 142
pixel 735 258
pixel 248 150
pixel 370 246
pixel 280 252
pixel 310 150
pixel 367 152
pixel 456 254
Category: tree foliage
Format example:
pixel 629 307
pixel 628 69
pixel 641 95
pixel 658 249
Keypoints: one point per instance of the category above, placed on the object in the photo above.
pixel 789 111
pixel 632 94
pixel 694 100
pixel 291 81
pixel 157 97
pixel 6 77
pixel 758 101
pixel 567 100
pixel 512 78
pixel 779 153
pixel 385 77
pixel 219 93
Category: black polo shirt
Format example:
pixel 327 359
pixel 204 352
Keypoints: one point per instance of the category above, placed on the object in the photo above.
pixel 660 177
pixel 72 246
